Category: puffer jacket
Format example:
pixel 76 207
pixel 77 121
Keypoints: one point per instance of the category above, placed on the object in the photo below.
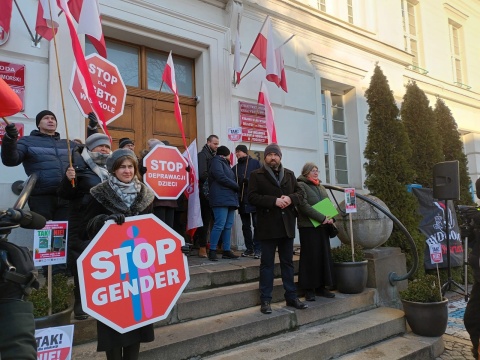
pixel 223 187
pixel 45 155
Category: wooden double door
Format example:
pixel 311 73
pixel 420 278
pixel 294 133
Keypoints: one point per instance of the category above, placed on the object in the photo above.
pixel 149 114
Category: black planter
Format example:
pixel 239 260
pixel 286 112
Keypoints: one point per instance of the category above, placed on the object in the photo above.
pixel 351 277
pixel 58 319
pixel 426 319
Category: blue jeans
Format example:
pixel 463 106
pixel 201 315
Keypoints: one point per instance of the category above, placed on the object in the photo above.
pixel 249 219
pixel 222 226
pixel 267 265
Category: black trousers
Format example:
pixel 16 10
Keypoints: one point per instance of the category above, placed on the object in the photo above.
pixel 471 318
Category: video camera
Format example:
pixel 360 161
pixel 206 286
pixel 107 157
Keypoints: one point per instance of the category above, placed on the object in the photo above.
pixel 17 271
pixel 470 217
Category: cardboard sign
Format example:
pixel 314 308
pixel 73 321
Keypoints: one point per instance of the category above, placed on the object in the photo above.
pixel 350 201
pixel 54 343
pixel 436 255
pixel 132 275
pixel 50 244
pixel 234 133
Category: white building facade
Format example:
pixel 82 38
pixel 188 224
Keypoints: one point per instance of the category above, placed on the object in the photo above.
pixel 329 63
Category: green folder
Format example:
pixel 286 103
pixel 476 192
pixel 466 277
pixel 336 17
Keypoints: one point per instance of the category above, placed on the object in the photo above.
pixel 325 207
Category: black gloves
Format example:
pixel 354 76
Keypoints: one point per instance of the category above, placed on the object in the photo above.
pixel 188 168
pixel 118 218
pixel 93 120
pixel 18 275
pixel 186 249
pixel 11 131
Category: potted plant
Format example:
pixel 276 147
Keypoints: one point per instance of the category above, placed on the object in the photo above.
pixel 350 269
pixel 61 305
pixel 426 310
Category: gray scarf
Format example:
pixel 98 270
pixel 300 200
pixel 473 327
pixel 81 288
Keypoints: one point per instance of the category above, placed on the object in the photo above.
pixel 126 191
pixel 96 162
pixel 281 173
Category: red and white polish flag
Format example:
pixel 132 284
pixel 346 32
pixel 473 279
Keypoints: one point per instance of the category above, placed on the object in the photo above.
pixel 264 49
pixel 87 14
pixel 46 25
pixel 282 78
pixel 269 115
pixel 6 16
pixel 194 218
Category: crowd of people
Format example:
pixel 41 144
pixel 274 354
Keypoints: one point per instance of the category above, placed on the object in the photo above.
pixel 88 184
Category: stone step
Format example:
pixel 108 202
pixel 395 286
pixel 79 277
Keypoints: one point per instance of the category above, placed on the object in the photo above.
pixel 406 347
pixel 324 341
pixel 215 333
pixel 209 286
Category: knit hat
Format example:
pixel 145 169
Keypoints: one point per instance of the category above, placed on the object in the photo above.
pixel 117 154
pixel 95 140
pixel 125 141
pixel 273 148
pixel 223 150
pixel 43 113
pixel 242 148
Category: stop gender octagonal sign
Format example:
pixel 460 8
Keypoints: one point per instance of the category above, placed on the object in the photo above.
pixel 132 275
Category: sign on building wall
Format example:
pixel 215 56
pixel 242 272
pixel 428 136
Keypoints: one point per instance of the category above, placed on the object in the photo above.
pixel 14 76
pixel 253 123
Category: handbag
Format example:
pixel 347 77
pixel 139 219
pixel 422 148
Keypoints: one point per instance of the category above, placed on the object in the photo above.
pixel 332 230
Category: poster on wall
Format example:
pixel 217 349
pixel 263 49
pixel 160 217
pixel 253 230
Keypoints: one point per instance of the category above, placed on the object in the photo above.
pixel 253 123
pixel 14 76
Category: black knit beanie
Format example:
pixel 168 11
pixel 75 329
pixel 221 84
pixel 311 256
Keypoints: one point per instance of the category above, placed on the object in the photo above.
pixel 273 148
pixel 41 114
pixel 242 148
pixel 125 141
pixel 223 150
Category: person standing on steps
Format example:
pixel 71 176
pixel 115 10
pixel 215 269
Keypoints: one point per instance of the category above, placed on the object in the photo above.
pixel 204 157
pixel 244 167
pixel 274 191
pixel 223 201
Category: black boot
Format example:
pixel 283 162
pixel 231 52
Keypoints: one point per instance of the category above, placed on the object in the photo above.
pixel 212 255
pixel 78 312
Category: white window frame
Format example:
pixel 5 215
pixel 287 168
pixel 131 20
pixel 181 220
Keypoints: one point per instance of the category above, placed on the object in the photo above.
pixel 411 40
pixel 457 53
pixel 330 139
pixel 350 12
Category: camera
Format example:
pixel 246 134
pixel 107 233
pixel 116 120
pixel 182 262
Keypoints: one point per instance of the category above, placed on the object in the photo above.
pixel 470 220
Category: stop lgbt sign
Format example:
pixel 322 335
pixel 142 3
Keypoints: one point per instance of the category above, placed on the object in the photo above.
pixel 132 274
pixel 108 84
pixel 166 172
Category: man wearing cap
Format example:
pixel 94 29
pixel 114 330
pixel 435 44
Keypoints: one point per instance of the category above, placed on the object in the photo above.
pixel 89 169
pixel 244 167
pixel 126 143
pixel 274 191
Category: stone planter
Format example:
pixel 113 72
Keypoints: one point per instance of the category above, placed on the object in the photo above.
pixel 371 227
pixel 57 319
pixel 427 319
pixel 351 277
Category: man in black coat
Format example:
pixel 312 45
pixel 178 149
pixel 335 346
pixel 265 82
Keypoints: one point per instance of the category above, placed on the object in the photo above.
pixel 204 157
pixel 274 191
pixel 246 164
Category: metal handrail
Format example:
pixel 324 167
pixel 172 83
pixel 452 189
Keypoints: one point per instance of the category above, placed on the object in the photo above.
pixel 392 277
pixel 28 186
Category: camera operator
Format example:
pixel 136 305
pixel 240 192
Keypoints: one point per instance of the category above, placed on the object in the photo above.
pixel 471 318
pixel 17 327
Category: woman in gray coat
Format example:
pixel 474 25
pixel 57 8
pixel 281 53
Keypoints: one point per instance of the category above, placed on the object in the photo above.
pixel 316 265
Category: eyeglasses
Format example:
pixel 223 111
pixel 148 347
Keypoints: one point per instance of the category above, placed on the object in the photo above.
pixel 314 171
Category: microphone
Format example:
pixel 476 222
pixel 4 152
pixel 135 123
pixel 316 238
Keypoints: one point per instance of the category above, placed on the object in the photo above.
pixel 26 219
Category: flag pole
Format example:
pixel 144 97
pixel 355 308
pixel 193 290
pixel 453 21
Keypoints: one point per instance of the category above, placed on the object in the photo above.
pixel 6 121
pixel 286 41
pixel 158 95
pixel 250 144
pixel 245 63
pixel 61 94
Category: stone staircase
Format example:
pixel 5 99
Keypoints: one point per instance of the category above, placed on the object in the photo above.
pixel 218 317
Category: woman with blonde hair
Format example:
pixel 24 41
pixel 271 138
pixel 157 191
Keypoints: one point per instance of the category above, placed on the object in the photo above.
pixel 316 265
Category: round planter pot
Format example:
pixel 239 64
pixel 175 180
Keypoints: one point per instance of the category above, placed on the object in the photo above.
pixel 427 319
pixel 58 319
pixel 351 277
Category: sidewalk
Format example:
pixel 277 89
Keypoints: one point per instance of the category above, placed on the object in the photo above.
pixel 457 341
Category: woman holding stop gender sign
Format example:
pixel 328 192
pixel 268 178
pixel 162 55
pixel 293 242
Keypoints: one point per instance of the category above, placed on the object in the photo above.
pixel 122 195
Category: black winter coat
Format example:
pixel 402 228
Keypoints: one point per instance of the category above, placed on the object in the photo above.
pixel 221 180
pixel 79 197
pixel 105 202
pixel 205 156
pixel 273 222
pixel 45 155
pixel 239 170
